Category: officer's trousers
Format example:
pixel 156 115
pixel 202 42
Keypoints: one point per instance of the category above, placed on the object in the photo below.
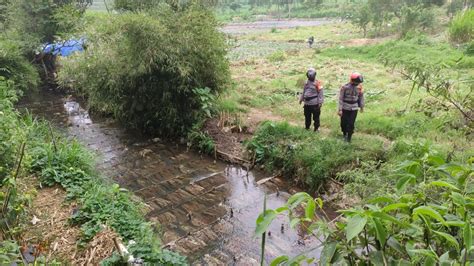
pixel 312 111
pixel 348 119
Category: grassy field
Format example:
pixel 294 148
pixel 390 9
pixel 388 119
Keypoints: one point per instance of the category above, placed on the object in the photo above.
pixel 270 79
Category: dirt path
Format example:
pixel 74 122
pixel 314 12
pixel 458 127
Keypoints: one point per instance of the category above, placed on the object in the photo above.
pixel 265 25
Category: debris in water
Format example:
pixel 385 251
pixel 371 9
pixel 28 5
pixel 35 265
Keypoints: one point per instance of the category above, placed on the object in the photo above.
pixel 278 192
pixel 35 220
pixel 269 233
pixel 145 152
pixel 231 213
pixel 282 228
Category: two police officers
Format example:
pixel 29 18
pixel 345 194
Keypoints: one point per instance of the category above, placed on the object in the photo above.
pixel 351 100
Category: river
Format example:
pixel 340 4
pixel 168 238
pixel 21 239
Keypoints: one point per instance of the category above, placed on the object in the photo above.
pixel 206 209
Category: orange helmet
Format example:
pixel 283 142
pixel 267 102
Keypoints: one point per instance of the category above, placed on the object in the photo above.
pixel 357 78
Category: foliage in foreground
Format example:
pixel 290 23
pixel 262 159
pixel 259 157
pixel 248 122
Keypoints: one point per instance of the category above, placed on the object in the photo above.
pixel 15 68
pixel 428 221
pixel 303 154
pixel 144 69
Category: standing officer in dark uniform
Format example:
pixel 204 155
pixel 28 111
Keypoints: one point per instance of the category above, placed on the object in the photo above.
pixel 313 98
pixel 310 41
pixel 351 99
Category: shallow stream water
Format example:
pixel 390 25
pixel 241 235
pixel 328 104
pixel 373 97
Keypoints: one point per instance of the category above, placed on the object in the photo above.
pixel 206 209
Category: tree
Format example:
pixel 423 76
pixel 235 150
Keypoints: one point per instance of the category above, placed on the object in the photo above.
pixel 151 76
pixel 361 17
pixel 33 22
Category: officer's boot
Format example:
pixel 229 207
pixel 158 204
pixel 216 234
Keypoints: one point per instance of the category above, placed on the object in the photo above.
pixel 349 137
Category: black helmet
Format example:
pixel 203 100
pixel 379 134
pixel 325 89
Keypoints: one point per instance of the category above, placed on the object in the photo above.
pixel 357 78
pixel 311 74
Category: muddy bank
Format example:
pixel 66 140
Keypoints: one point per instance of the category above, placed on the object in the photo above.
pixel 206 209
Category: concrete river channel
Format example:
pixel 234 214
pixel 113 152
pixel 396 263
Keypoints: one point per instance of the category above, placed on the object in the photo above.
pixel 206 209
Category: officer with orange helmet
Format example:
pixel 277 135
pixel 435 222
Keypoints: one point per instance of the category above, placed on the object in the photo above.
pixel 351 99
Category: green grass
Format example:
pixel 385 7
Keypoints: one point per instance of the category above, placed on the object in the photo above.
pixel 420 49
pixel 272 81
pixel 308 156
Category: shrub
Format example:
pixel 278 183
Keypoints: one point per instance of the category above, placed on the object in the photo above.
pixel 144 69
pixel 461 29
pixel 426 220
pixel 278 56
pixel 14 67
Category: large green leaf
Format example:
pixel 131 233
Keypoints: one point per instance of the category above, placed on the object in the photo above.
pixel 310 209
pixel 430 261
pixel 355 225
pixel 297 199
pixel 395 244
pixel 458 199
pixel 424 252
pixel 444 260
pixel 279 261
pixel 328 253
pixel 436 160
pixel 404 180
pixel 264 220
pixel 297 260
pixel 380 231
pixel 395 206
pixel 455 223
pixel 376 257
pixel 428 211
pixel 387 217
pixel 449 238
pixel 467 234
pixel 411 167
pixel 444 184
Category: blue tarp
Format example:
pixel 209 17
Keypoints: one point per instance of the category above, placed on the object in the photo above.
pixel 65 48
